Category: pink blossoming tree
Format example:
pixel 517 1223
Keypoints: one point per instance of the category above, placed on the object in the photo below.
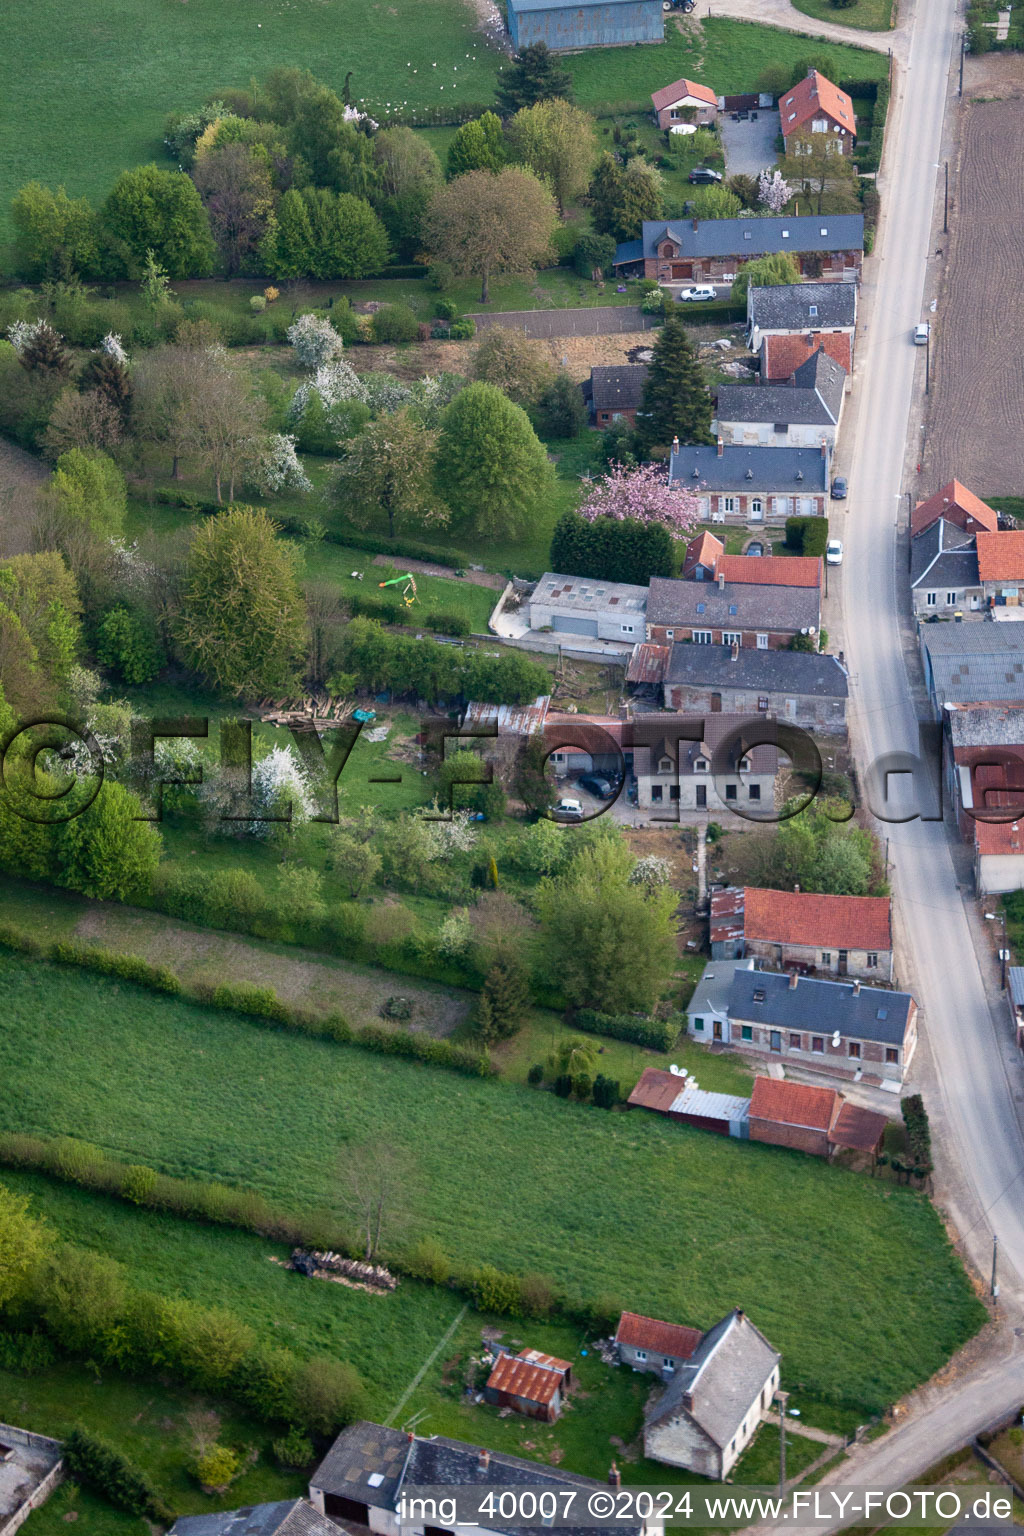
pixel 644 494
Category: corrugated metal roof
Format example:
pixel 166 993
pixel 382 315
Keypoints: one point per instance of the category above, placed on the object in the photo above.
pixel 1015 975
pixel 648 663
pixel 656 1090
pixel 726 922
pixel 857 1128
pixel 711 1106
pixel 511 719
pixel 538 1380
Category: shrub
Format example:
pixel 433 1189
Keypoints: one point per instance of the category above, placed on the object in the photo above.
pixel 536 1295
pixel 217 1467
pixel 809 535
pixel 271 294
pixel 76 1161
pixel 394 323
pixel 328 1394
pixel 26 1354
pixel 445 623
pixel 446 309
pixel 127 645
pixel 607 1092
pixel 138 1184
pixel 294 1450
pixel 536 1073
pixel 261 1002
pixel 13 937
pixel 495 1291
pixel 257 303
pixel 463 330
pixel 563 1085
pixel 581 1085
pixel 99 1467
pixel 427 1260
pixel 655 1034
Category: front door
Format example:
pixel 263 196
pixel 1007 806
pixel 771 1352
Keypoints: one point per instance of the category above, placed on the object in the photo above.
pixel 716 1029
pixel 842 962
pixel 716 703
pixel 702 797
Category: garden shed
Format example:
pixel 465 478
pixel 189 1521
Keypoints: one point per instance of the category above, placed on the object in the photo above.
pixel 597 24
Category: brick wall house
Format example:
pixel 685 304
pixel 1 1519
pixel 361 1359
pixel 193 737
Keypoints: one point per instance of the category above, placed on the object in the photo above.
pixel 828 247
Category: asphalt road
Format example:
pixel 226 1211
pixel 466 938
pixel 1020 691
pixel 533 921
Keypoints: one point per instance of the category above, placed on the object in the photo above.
pixel 983 1139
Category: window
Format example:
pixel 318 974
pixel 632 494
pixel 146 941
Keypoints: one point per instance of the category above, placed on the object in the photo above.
pixel 951 598
pixel 698 1025
pixel 656 793
pixel 627 629
pixel 730 791
pixel 744 765
pixel 785 234
pixel 762 703
pixel 757 507
pixel 774 1040
pixel 754 792
pixel 794 1042
pixel 746 1032
pixel 701 636
pixel 853 1049
pixel 826 957
pixel 701 607
pixel 673 791
pixel 731 637
pixel 641 1354
pixel 670 634
pixel 872 960
pixel 728 503
pixel 665 765
pixel 892 1055
pixel 700 765
pixel 762 642
pixel 929 598
pixel 733 610
pixel 818 1044
pixel 813 310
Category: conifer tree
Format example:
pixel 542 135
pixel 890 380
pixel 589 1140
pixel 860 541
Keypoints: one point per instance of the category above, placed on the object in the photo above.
pixel 676 399
pixel 534 75
pixel 504 1000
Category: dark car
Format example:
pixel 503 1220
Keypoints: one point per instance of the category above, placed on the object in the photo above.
pixel 839 488
pixel 597 784
pixel 702 174
pixel 755 548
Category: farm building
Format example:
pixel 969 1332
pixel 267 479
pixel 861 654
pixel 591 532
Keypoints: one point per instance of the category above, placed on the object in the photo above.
pixel 291 1517
pixel 531 1383
pixel 846 935
pixel 649 1345
pixel 797 686
pixel 574 605
pixel 680 1099
pixel 594 24
pixel 809 1119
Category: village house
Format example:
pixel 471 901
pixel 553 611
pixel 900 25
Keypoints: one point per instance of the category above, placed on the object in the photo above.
pixel 833 1027
pixel 804 312
pixel 811 1119
pixel 713 1404
pixel 590 24
pixel 580 605
pixel 684 101
pixel 706 560
pixel 741 613
pixel 845 935
pixel 364 1474
pixel 816 106
pixel 983 754
pixel 744 483
pixel 1001 572
pixel 802 412
pixel 800 687
pixel 530 1383
pixel 972 663
pixel 958 506
pixel 998 857
pixel 289 1517
pixel 828 246
pixel 944 571
pixel 614 394
pixel 678 1097
pixel 679 773
pixel 648 1345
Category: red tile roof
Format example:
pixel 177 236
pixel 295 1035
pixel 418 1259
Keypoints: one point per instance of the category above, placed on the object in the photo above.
pixel 959 506
pixel 781 356
pixel 815 96
pixel 771 570
pixel 827 922
pixel 657 1089
pixel 532 1375
pixel 670 94
pixel 999 837
pixel 1000 556
pixel 671 1339
pixel 704 550
pixel 858 1129
pixel 787 1103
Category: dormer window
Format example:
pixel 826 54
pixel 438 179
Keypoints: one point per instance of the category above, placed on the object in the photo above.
pixel 700 765
pixel 665 765
pixel 744 765
pixel 813 311
pixel 823 230
pixel 747 234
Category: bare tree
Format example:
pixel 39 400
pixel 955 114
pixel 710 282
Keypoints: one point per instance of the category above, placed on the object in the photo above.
pixel 371 1192
pixel 326 620
pixel 239 200
pixel 171 385
pixel 86 421
pixel 225 428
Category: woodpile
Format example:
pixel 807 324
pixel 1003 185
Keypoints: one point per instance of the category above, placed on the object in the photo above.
pixel 334 1266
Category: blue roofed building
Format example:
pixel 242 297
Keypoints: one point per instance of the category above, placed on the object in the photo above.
pixel 828 247
pixel 597 24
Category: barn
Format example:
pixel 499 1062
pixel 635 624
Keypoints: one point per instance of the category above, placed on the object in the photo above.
pixel 594 24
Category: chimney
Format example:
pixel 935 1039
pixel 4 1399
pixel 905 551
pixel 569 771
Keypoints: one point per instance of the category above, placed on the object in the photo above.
pixel 614 1476
pixel 856 989
pixel 842 657
pixel 484 1459
pixel 721 447
pixel 688 1401
pixel 721 581
pixel 675 445
pixel 824 449
pixel 696 225
pixel 796 890
pixel 410 1436
pixel 734 651
pixel 793 979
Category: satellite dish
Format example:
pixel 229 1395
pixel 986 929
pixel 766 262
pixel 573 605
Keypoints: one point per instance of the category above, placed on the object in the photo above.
pixel 836 1040
pixel 676 1071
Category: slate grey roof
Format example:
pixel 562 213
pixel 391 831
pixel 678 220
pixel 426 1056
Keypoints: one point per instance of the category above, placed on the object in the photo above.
pixel 1015 982
pixel 723 1379
pixel 787 308
pixel 814 397
pixel 867 1014
pixel 651 737
pixel 291 1517
pixel 737 605
pixel 711 994
pixel 700 467
pixel 618 389
pixel 975 662
pixel 628 250
pixel 986 725
pixel 366 1450
pixel 943 556
pixel 751 236
pixel 792 672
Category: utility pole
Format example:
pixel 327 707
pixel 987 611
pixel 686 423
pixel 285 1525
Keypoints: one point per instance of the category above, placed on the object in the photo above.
pixel 963 50
pixel 927 359
pixel 994 1288
pixel 945 203
pixel 783 1398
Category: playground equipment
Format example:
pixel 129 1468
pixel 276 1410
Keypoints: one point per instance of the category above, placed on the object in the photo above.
pixel 408 591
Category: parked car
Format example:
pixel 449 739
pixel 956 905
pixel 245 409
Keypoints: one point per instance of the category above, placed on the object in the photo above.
pixel 839 488
pixel 701 294
pixel 755 547
pixel 921 333
pixel 597 784
pixel 702 174
pixel 834 552
pixel 568 809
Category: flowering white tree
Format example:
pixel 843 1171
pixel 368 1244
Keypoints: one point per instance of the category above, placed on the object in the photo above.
pixel 112 346
pixel 432 393
pixel 279 781
pixel 455 934
pixel 652 870
pixel 334 382
pixel 278 467
pixel 447 838
pixel 134 574
pixel 643 494
pixel 314 341
pixel 773 192
pixel 22 332
pixel 384 394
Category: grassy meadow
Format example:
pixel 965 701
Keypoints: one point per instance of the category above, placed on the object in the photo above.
pixel 656 1216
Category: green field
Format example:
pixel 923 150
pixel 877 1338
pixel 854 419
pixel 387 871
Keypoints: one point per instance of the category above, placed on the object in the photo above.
pixel 870 15
pixel 656 1216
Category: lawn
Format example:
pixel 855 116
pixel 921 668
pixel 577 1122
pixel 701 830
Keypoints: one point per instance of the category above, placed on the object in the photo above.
pixel 871 15
pixel 145 1420
pixel 660 1217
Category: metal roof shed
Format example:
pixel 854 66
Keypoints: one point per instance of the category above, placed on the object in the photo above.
pixel 599 24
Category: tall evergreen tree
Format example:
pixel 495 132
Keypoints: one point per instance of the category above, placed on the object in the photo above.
pixel 676 399
pixel 109 378
pixel 534 75
pixel 504 1000
pixel 478 145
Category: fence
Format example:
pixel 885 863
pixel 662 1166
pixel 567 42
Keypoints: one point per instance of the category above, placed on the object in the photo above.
pixel 25 1438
